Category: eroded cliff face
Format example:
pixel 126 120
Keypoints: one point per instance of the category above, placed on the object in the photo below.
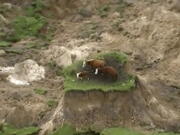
pixel 96 109
pixel 149 33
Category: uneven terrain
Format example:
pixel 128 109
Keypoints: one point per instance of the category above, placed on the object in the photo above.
pixel 147 31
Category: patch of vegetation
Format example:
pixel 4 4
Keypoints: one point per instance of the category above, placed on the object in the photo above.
pixel 40 91
pixel 103 11
pixel 4 44
pixel 24 26
pixel 65 130
pixel 116 56
pixel 125 83
pixel 59 72
pixel 119 131
pixel 10 130
pixel 37 44
pixel 121 5
pixel 31 24
pixel 69 130
pixel 35 8
pixel 14 50
pixel 52 103
pixel 4 8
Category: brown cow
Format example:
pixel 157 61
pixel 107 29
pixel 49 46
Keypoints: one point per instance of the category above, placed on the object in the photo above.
pixel 95 64
pixel 108 73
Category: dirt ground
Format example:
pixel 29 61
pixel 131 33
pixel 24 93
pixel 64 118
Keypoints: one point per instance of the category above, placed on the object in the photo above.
pixel 147 31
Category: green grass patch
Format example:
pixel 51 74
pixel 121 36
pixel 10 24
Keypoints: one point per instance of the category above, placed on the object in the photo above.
pixel 40 91
pixel 103 11
pixel 72 84
pixel 117 57
pixel 65 130
pixel 125 82
pixel 121 6
pixel 119 131
pixel 24 26
pixel 10 130
pixel 4 44
pixel 35 8
pixel 52 103
pixel 70 130
pixel 14 51
pixel 37 44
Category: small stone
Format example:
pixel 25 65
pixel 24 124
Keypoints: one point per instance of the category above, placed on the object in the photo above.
pixel 7 5
pixel 3 19
pixel 2 52
pixel 175 5
pixel 115 15
pixel 85 13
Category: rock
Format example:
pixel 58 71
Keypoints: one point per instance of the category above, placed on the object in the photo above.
pixel 3 19
pixel 5 72
pixel 20 117
pixel 171 74
pixel 174 5
pixel 7 6
pixel 65 56
pixel 2 52
pixel 77 18
pixel 26 72
pixel 85 12
pixel 115 15
pixel 3 113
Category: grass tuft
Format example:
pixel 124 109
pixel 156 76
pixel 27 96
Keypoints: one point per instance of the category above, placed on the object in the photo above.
pixel 10 130
pixel 24 26
pixel 65 130
pixel 40 91
pixel 103 11
pixel 119 131
pixel 4 44
pixel 52 103
pixel 116 56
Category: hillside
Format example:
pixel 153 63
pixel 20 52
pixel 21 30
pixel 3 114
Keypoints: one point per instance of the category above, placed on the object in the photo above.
pixel 56 34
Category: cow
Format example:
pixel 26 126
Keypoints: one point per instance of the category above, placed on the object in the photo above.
pixel 83 75
pixel 108 73
pixel 94 64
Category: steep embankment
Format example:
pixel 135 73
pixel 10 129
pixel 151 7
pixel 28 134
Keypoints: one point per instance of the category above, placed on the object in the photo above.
pixel 149 34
